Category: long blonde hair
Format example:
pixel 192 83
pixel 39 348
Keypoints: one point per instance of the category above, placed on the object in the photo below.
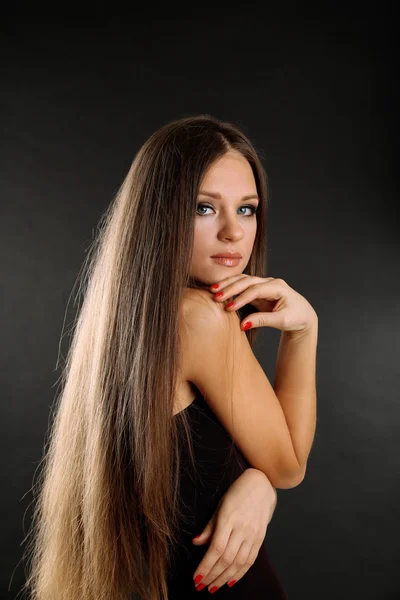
pixel 106 510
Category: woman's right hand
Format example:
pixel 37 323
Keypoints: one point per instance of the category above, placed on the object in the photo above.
pixel 237 530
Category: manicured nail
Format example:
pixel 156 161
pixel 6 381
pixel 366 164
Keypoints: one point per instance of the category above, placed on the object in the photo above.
pixel 219 294
pixel 230 304
pixel 214 286
pixel 231 583
pixel 198 578
pixel 247 325
pixel 200 587
pixel 213 589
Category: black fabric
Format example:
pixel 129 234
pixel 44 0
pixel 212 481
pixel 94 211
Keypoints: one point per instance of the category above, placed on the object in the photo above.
pixel 218 462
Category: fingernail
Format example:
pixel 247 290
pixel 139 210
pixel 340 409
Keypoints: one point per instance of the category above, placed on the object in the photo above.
pixel 198 578
pixel 214 286
pixel 213 589
pixel 247 325
pixel 219 294
pixel 230 304
pixel 231 583
pixel 200 587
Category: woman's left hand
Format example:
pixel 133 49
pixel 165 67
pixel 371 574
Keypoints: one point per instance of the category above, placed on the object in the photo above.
pixel 279 305
pixel 236 530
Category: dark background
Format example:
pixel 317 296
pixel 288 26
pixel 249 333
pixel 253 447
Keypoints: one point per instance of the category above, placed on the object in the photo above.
pixel 313 89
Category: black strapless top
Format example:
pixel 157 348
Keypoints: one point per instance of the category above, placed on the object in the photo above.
pixel 219 463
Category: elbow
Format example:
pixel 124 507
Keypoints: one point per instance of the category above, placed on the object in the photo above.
pixel 290 482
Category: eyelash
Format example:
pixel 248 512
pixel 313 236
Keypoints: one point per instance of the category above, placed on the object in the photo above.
pixel 253 209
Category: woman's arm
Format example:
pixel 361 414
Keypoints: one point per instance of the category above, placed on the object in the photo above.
pixel 295 387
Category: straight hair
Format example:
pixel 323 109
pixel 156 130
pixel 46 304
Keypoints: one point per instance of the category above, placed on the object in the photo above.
pixel 106 503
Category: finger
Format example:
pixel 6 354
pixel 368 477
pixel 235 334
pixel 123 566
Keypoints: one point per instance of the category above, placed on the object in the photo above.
pixel 269 295
pixel 218 285
pixel 247 290
pixel 240 564
pixel 219 556
pixel 231 579
pixel 237 282
pixel 216 548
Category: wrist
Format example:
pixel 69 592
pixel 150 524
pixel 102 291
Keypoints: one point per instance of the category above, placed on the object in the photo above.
pixel 309 330
pixel 270 491
pixel 262 476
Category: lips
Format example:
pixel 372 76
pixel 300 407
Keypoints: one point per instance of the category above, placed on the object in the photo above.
pixel 227 255
pixel 226 261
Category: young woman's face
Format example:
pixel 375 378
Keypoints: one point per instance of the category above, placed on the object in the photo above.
pixel 227 223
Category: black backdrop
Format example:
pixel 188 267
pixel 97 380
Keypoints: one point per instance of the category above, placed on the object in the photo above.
pixel 314 91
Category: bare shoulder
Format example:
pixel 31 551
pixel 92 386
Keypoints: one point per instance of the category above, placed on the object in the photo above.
pixel 193 298
pixel 199 304
pixel 204 327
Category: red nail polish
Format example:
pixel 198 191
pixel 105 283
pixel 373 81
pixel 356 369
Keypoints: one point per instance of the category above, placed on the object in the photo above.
pixel 230 304
pixel 198 578
pixel 200 587
pixel 231 583
pixel 219 294
pixel 214 286
pixel 247 325
pixel 213 589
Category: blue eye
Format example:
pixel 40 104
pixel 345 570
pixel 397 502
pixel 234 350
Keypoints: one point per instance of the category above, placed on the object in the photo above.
pixel 252 208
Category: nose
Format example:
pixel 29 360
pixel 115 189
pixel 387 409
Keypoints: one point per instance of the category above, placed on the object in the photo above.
pixel 230 229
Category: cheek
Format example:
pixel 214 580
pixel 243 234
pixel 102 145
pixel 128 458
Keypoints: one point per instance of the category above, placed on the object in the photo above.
pixel 201 240
pixel 250 230
pixel 197 247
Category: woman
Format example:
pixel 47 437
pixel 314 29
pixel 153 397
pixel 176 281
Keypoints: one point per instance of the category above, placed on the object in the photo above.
pixel 159 424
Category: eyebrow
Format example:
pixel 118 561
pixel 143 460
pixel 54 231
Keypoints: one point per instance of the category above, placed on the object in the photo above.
pixel 218 196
